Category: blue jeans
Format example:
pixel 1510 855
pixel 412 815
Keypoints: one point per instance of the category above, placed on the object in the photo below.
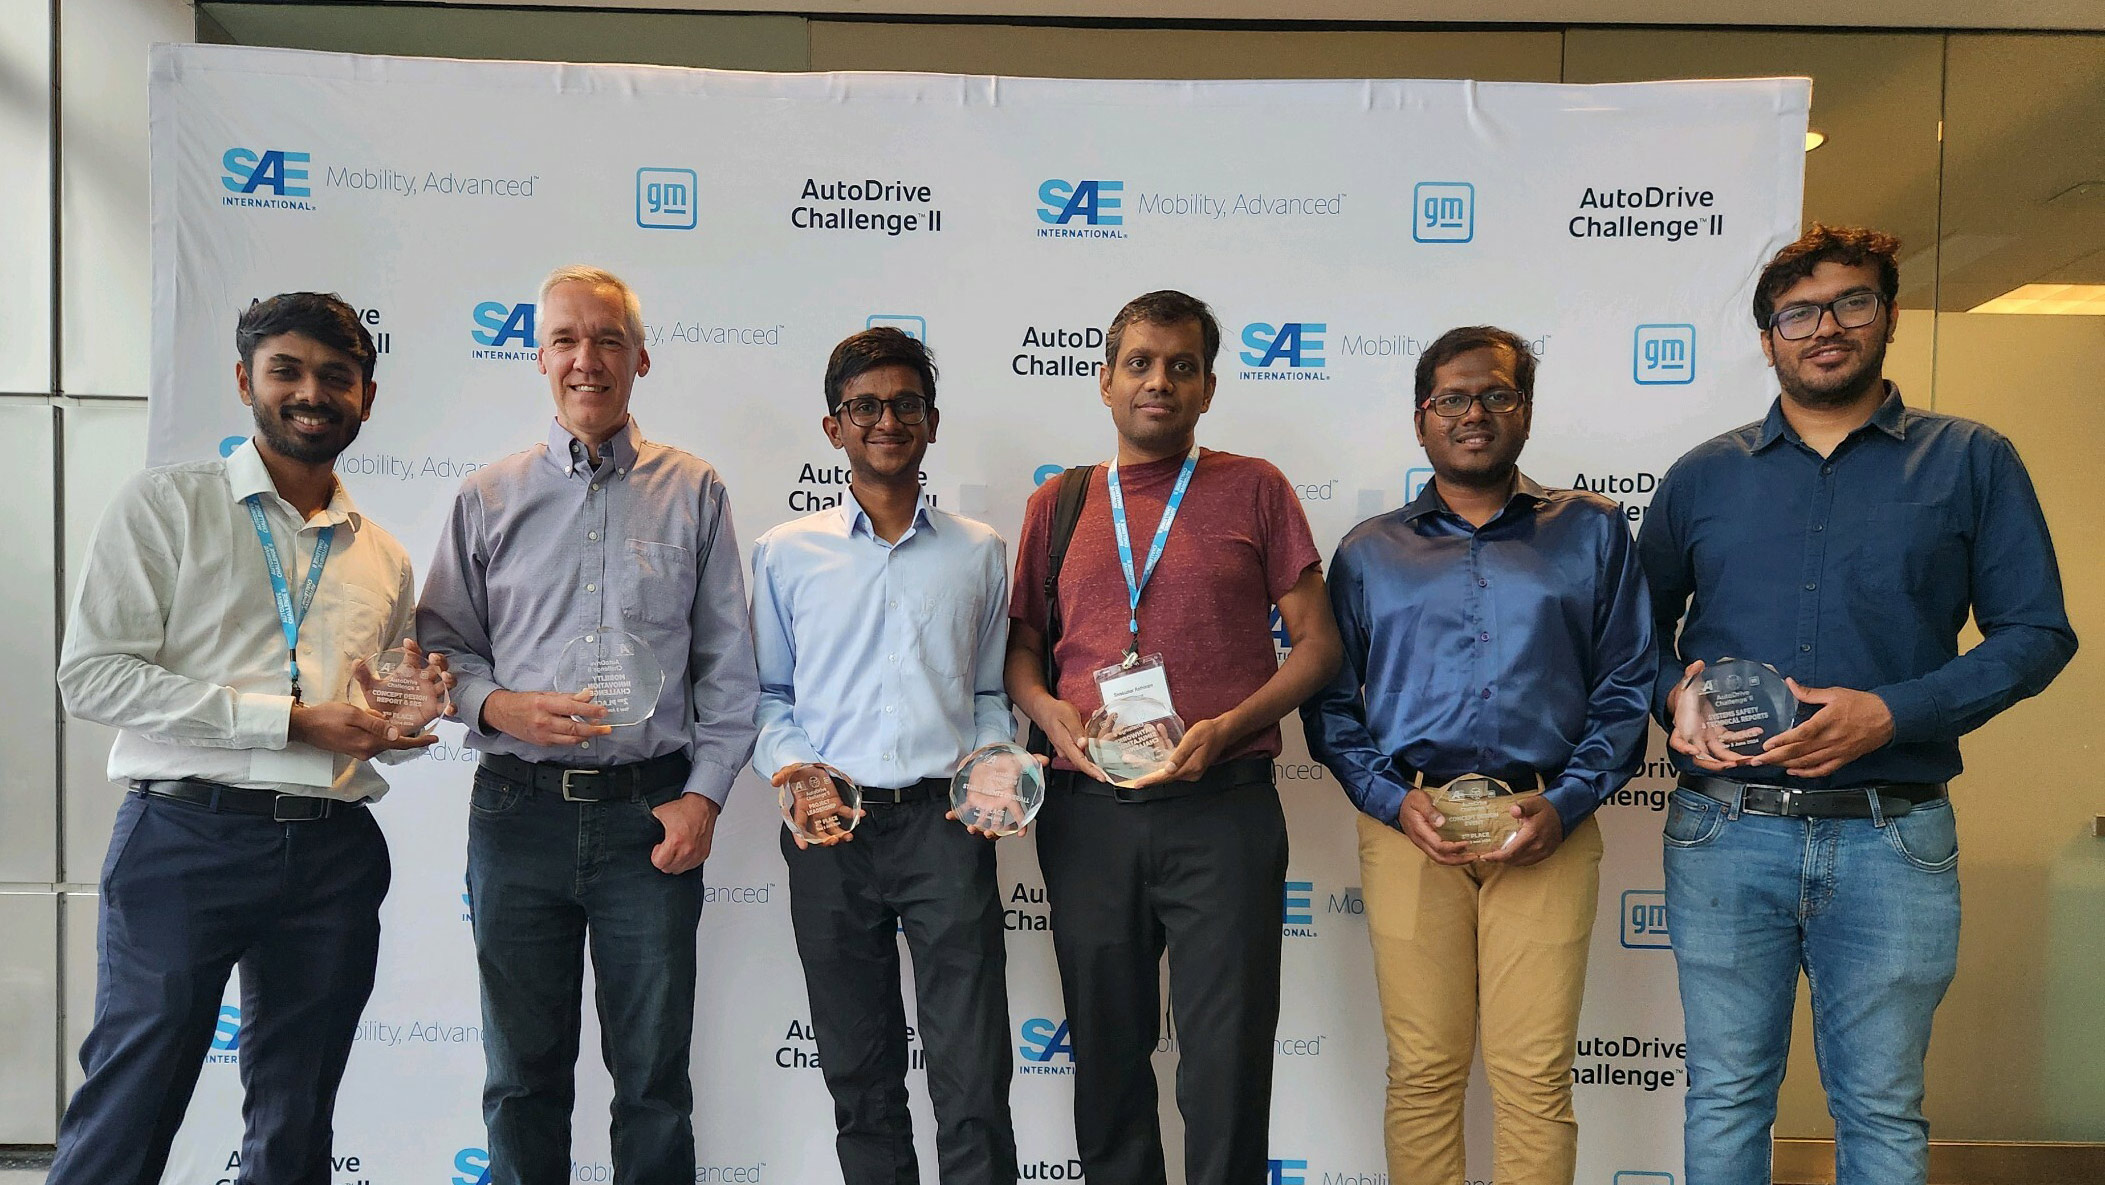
pixel 1869 909
pixel 545 879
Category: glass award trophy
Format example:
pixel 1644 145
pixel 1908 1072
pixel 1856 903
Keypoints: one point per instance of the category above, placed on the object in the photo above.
pixel 998 789
pixel 1744 703
pixel 820 804
pixel 410 695
pixel 1478 812
pixel 619 668
pixel 1131 738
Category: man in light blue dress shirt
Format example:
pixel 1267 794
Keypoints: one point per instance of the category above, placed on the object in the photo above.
pixel 880 627
pixel 577 827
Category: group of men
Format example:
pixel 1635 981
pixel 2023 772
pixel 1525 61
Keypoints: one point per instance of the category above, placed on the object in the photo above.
pixel 1492 627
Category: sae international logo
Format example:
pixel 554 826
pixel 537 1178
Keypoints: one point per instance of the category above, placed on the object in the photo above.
pixel 665 199
pixel 1663 355
pixel 1081 209
pixel 274 177
pixel 1644 920
pixel 1443 211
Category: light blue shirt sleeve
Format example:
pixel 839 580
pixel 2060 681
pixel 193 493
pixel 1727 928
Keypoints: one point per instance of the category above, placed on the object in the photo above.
pixel 782 741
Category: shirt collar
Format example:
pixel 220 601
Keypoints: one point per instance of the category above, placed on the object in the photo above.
pixel 854 517
pixel 1891 418
pixel 247 476
pixel 1429 500
pixel 624 443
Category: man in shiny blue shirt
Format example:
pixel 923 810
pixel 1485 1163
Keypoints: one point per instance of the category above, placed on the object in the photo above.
pixel 1843 539
pixel 1495 627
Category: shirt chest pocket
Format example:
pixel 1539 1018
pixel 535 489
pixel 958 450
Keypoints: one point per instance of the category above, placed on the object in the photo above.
pixel 656 583
pixel 361 618
pixel 945 632
pixel 1908 548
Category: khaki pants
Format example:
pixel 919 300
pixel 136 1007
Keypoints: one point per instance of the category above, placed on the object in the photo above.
pixel 1483 944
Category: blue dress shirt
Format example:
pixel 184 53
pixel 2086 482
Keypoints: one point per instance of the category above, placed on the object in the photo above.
pixel 548 544
pixel 1857 570
pixel 1523 642
pixel 883 660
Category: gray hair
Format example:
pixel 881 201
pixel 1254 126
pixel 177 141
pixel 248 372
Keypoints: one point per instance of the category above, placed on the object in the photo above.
pixel 598 277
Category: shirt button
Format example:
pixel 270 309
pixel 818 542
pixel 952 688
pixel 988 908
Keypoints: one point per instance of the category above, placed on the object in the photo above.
pixel 891 658
pixel 1484 637
pixel 591 588
pixel 1487 693
pixel 1810 587
pixel 888 709
pixel 595 487
pixel 891 604
pixel 1804 646
pixel 1483 583
pixel 1819 526
pixel 621 469
pixel 592 535
pixel 584 744
pixel 1826 469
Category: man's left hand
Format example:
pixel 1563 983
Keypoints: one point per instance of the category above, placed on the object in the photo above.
pixel 690 827
pixel 1541 830
pixel 1847 725
pixel 1202 745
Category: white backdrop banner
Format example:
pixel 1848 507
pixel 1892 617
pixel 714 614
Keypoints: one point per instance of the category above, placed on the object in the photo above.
pixel 1336 226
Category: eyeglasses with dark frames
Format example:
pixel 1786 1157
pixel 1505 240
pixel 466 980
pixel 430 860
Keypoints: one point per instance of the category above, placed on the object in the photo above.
pixel 866 410
pixel 1454 405
pixel 1851 311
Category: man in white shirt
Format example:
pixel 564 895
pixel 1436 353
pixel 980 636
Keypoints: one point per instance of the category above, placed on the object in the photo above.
pixel 223 615
pixel 880 628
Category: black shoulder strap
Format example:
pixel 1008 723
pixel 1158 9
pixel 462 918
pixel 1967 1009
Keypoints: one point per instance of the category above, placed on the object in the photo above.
pixel 1067 511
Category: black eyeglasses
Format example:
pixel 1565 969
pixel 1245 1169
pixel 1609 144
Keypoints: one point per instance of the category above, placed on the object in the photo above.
pixel 864 412
pixel 1455 404
pixel 1801 321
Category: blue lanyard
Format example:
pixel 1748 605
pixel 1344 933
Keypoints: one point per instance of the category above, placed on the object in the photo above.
pixel 289 615
pixel 1125 544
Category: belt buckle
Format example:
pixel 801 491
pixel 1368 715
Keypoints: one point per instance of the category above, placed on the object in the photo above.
pixel 1790 797
pixel 314 808
pixel 569 797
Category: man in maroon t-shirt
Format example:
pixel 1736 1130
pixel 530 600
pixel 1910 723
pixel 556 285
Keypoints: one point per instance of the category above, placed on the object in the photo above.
pixel 1192 857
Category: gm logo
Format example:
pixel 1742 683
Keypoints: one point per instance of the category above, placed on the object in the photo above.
pixel 1443 211
pixel 1641 1177
pixel 1286 1172
pixel 229 444
pixel 1044 1040
pixel 498 324
pixel 1414 481
pixel 665 199
pixel 906 323
pixel 1045 473
pixel 1663 355
pixel 1096 203
pixel 226 1032
pixel 1294 909
pixel 274 169
pixel 1644 919
pixel 471 1166
pixel 1299 343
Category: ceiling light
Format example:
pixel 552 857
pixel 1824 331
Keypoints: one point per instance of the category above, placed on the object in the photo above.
pixel 2081 300
pixel 1814 139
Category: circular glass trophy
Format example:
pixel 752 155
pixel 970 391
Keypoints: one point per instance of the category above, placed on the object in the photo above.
pixel 1131 738
pixel 820 804
pixel 1478 812
pixel 998 789
pixel 619 668
pixel 1745 703
pixel 411 696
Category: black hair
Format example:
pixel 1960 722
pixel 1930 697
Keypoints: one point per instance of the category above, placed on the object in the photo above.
pixel 1164 307
pixel 322 316
pixel 872 348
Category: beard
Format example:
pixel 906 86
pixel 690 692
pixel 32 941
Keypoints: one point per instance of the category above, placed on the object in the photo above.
pixel 1841 389
pixel 288 442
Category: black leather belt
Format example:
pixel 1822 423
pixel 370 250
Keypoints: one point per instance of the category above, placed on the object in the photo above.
pixel 241 800
pixel 920 791
pixel 655 780
pixel 1243 771
pixel 1520 779
pixel 1894 798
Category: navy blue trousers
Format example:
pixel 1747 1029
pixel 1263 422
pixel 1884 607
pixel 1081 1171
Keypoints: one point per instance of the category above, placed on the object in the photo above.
pixel 189 893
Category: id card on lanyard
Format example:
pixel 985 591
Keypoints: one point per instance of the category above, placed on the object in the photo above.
pixel 1141 677
pixel 290 612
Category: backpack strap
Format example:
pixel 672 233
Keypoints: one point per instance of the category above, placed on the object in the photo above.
pixel 1067 511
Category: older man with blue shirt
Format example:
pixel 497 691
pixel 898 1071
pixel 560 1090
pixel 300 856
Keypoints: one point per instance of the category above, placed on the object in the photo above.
pixel 1491 627
pixel 881 628
pixel 577 830
pixel 1843 538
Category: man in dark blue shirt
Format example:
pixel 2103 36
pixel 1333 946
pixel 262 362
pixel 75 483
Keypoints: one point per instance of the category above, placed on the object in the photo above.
pixel 1842 539
pixel 1498 628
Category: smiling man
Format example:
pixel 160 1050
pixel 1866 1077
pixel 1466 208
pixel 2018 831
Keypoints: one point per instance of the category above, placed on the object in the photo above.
pixel 577 828
pixel 1193 857
pixel 1496 628
pixel 1844 539
pixel 880 628
pixel 222 613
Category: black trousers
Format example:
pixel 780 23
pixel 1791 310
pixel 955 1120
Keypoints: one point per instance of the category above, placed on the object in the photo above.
pixel 1203 876
pixel 188 893
pixel 908 867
